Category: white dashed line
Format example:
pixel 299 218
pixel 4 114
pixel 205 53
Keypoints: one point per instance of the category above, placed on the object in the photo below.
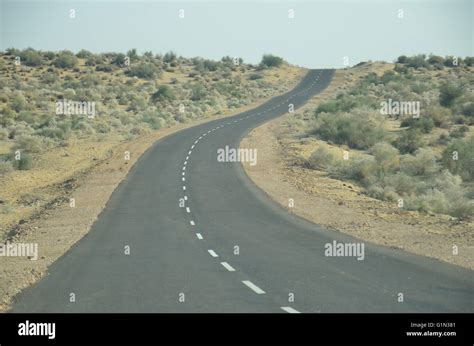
pixel 184 168
pixel 228 266
pixel 188 210
pixel 187 158
pixel 189 153
pixel 199 236
pixel 184 179
pixel 290 310
pixel 185 163
pixel 192 223
pixel 253 287
pixel 212 253
pixel 192 146
pixel 185 198
pixel 184 187
pixel 196 141
pixel 184 173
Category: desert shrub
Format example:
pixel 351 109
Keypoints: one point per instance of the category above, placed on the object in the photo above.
pixel 469 61
pixel 269 60
pixel 30 57
pixel 164 93
pixel 361 169
pixel 468 109
pixel 440 115
pixel 459 131
pixel 402 59
pixel 169 57
pixel 386 158
pixel 409 141
pixel 104 68
pixel 144 70
pixel 29 143
pixel 119 59
pixel 3 134
pixel 348 129
pixel 417 61
pixel 435 60
pixel 210 65
pixel 424 124
pixel 458 157
pixel 84 54
pixel 320 158
pixel 5 167
pixel 423 163
pixel 65 59
pixel 255 76
pixel 24 163
pixel 449 92
pixel 198 92
pixel 18 102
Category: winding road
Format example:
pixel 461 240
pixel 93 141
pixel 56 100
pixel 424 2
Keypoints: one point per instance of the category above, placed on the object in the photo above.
pixel 226 247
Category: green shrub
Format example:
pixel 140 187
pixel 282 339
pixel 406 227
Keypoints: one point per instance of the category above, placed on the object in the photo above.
pixel 24 163
pixel 30 57
pixel 65 59
pixel 144 70
pixel 269 60
pixel 5 167
pixel 348 129
pixel 164 93
pixel 449 92
pixel 458 157
pixel 409 141
pixel 320 158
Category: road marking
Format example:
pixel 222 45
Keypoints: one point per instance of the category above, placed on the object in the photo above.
pixel 185 198
pixel 185 163
pixel 188 210
pixel 184 168
pixel 199 236
pixel 184 187
pixel 228 266
pixel 187 158
pixel 184 173
pixel 253 287
pixel 184 179
pixel 212 253
pixel 197 140
pixel 192 223
pixel 192 146
pixel 189 153
pixel 290 310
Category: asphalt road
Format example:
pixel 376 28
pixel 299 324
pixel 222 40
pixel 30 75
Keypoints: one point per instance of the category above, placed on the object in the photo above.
pixel 184 260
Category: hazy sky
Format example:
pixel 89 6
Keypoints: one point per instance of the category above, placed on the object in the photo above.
pixel 321 33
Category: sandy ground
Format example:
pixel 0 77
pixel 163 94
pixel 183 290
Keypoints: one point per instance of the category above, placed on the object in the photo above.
pixel 341 206
pixel 56 226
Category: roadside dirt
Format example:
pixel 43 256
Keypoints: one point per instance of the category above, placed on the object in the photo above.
pixel 341 206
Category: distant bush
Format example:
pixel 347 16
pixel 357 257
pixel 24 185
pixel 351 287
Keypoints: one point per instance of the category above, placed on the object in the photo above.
pixel 30 57
pixel 5 167
pixel 449 92
pixel 409 141
pixel 198 92
pixel 458 157
pixel 28 143
pixel 65 59
pixel 144 70
pixel 320 158
pixel 169 57
pixel 24 163
pixel 164 93
pixel 269 60
pixel 344 128
pixel 84 54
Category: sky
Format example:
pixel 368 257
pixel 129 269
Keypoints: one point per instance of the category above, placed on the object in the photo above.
pixel 322 34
